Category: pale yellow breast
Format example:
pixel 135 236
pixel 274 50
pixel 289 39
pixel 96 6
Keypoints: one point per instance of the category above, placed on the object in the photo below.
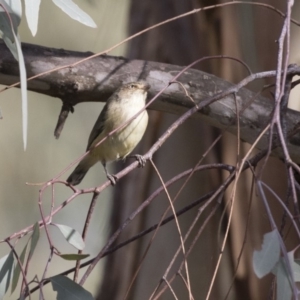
pixel 121 143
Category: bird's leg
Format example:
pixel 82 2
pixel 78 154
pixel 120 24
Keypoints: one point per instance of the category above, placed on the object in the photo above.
pixel 110 177
pixel 140 159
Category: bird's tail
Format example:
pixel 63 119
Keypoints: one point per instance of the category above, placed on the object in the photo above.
pixel 78 174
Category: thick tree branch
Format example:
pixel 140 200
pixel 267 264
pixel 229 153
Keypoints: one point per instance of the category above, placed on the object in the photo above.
pixel 96 79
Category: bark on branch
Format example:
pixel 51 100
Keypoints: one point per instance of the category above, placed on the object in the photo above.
pixel 97 78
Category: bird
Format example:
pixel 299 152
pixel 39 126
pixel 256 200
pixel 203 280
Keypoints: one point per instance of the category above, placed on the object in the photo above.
pixel 120 107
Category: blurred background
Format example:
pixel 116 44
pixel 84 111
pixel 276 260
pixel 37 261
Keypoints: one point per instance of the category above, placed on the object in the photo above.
pixel 243 31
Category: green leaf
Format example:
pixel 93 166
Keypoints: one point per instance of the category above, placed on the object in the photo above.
pixel 265 259
pixel 74 256
pixel 283 278
pixel 68 289
pixel 74 12
pixel 297 261
pixel 6 270
pixel 296 271
pixel 9 31
pixel 14 9
pixel 283 286
pixel 23 79
pixel 32 14
pixel 72 236
pixel 34 238
pixel 17 271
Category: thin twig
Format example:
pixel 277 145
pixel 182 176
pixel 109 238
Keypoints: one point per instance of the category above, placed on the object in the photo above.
pixel 178 229
pixel 85 229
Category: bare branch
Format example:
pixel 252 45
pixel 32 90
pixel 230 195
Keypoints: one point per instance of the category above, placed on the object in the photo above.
pixel 96 79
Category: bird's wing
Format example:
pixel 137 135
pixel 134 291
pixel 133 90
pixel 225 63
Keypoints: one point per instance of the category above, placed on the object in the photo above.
pixel 98 127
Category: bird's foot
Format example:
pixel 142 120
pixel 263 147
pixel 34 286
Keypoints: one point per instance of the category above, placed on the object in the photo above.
pixel 112 179
pixel 140 159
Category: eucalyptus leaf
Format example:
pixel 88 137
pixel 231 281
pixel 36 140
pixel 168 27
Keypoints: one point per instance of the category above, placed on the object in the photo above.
pixel 74 12
pixel 265 259
pixel 14 9
pixel 23 78
pixel 10 17
pixel 283 278
pixel 283 286
pixel 296 271
pixel 74 256
pixel 67 289
pixel 32 14
pixel 6 271
pixel 17 271
pixel 34 238
pixel 72 236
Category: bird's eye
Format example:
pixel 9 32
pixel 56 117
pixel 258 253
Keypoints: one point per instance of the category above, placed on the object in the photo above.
pixel 132 86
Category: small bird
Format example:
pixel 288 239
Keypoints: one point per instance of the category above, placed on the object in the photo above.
pixel 122 105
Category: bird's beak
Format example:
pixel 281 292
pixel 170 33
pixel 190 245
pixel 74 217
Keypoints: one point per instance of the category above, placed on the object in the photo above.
pixel 146 87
